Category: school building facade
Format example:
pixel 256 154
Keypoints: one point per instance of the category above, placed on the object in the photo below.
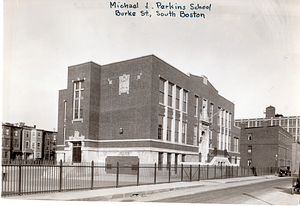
pixel 146 109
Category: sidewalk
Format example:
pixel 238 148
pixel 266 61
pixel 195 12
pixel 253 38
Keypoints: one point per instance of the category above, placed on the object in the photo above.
pixel 123 192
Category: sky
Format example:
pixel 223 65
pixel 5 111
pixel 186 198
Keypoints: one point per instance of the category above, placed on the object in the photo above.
pixel 248 49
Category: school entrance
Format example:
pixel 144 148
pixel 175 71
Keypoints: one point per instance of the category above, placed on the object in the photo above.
pixel 76 152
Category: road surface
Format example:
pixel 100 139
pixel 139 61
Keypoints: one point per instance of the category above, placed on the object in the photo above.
pixel 268 192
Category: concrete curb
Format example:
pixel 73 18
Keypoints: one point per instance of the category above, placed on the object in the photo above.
pixel 131 194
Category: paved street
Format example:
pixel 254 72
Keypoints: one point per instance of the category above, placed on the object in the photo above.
pixel 276 191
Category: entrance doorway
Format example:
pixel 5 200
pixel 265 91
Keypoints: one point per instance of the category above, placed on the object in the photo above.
pixel 76 152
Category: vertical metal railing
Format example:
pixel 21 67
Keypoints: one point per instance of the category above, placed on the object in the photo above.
pixel 27 177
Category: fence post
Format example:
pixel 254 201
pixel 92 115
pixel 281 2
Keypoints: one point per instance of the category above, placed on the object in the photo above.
pixel 169 165
pixel 154 173
pixel 60 175
pixel 226 171
pixel 181 172
pixel 92 175
pixel 138 174
pixel 117 177
pixel 199 172
pixel 191 173
pixel 20 177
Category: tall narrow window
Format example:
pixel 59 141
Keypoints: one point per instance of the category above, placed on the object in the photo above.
pixel 219 114
pixel 184 129
pixel 78 106
pixel 185 101
pixel 211 111
pixel 160 127
pixel 177 97
pixel 249 136
pixel 169 128
pixel 204 109
pixel 196 106
pixel 195 140
pixel 169 159
pixel 170 94
pixel 176 130
pixel 160 160
pixel 249 162
pixel 230 120
pixel 161 90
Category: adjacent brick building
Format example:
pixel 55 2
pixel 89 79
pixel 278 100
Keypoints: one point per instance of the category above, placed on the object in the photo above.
pixel 144 108
pixel 289 123
pixel 265 146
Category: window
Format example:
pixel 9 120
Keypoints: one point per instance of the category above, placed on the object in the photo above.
pixel 219 113
pixel 169 159
pixel 196 106
pixel 176 130
pixel 229 121
pixel 211 111
pixel 27 145
pixel 259 123
pixel 292 122
pixel 161 90
pixel 185 101
pixel 184 129
pixel 204 109
pixel 16 133
pixel 229 143
pixel 252 123
pixel 195 135
pixel 32 145
pixel 7 131
pixel 249 149
pixel 284 122
pixel 7 142
pixel 16 143
pixel 235 144
pixel 160 127
pixel 249 162
pixel 210 140
pixel 183 158
pixel 169 126
pixel 249 136
pixel 38 145
pixel 160 160
pixel 177 97
pixel 170 94
pixel 77 102
pixel 276 122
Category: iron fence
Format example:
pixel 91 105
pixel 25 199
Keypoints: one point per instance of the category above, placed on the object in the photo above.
pixel 29 177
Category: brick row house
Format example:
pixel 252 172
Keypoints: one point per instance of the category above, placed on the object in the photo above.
pixel 26 142
pixel 144 109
